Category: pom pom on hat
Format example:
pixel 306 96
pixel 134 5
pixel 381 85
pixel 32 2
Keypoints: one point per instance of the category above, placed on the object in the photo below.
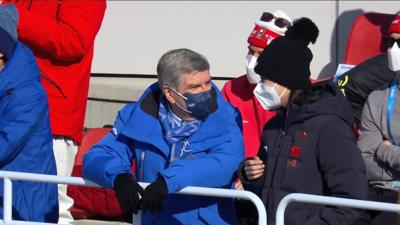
pixel 287 59
pixel 303 29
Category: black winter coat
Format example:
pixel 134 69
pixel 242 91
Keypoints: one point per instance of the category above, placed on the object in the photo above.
pixel 311 151
pixel 364 78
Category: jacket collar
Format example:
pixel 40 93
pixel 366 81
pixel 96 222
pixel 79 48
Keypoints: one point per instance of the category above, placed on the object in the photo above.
pixel 144 125
pixel 21 67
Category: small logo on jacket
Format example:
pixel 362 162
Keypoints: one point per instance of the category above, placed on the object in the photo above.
pixel 303 136
pixel 291 163
pixel 295 151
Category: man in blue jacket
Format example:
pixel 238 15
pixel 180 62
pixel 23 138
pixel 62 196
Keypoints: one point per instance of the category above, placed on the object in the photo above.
pixel 181 133
pixel 25 136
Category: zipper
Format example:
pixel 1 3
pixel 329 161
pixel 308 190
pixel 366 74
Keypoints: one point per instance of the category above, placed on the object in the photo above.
pixel 44 75
pixel 58 7
pixel 142 156
pixel 279 145
pixel 53 83
pixel 30 4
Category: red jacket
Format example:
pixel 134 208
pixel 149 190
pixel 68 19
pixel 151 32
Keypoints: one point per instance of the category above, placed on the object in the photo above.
pixel 61 34
pixel 239 92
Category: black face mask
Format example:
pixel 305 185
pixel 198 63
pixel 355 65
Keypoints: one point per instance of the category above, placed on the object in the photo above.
pixel 199 105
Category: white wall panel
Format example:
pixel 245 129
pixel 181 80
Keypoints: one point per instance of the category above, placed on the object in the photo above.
pixel 350 10
pixel 136 33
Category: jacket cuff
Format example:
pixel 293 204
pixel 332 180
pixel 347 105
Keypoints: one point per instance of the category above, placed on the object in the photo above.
pixel 241 173
pixel 249 185
pixel 169 180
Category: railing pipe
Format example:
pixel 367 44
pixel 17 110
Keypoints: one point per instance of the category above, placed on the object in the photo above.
pixel 7 201
pixel 335 201
pixel 200 191
pixel 226 193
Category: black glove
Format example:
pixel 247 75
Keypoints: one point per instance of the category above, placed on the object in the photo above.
pixel 127 191
pixel 154 195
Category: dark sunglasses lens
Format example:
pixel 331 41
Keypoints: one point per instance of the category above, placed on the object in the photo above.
pixel 266 17
pixel 280 22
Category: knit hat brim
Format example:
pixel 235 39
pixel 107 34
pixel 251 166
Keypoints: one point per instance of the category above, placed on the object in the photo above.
pixel 286 62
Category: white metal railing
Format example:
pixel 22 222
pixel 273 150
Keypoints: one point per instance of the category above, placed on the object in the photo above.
pixel 324 200
pixel 200 191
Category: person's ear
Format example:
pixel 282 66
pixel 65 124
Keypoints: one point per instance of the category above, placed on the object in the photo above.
pixel 168 94
pixel 2 58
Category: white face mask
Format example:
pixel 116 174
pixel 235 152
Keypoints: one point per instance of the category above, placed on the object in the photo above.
pixel 252 76
pixel 394 57
pixel 268 96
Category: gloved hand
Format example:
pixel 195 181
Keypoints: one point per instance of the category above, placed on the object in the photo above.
pixel 127 191
pixel 154 196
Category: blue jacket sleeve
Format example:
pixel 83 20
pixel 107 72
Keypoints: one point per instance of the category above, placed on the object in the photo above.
pixel 217 168
pixel 113 155
pixel 17 124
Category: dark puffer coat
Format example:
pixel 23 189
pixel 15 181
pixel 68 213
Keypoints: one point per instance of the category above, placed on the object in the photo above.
pixel 311 149
pixel 360 81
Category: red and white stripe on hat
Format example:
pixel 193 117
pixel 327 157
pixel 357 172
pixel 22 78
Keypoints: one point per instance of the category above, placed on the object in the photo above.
pixel 264 32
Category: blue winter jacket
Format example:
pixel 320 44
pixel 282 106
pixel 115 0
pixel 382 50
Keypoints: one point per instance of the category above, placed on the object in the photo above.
pixel 25 138
pixel 217 147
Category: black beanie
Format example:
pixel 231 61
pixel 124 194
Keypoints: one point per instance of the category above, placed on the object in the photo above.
pixel 286 60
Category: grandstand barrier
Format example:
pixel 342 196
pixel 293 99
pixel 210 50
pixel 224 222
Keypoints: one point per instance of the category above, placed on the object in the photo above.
pixel 8 176
pixel 334 201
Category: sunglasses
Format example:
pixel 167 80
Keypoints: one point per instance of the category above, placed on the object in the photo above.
pixel 389 41
pixel 279 22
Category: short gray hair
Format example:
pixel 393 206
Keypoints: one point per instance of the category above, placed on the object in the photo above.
pixel 173 64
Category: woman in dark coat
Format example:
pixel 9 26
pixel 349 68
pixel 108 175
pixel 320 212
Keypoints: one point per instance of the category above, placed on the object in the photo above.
pixel 308 147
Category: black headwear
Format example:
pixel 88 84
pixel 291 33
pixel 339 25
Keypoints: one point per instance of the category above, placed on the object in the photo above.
pixel 286 60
